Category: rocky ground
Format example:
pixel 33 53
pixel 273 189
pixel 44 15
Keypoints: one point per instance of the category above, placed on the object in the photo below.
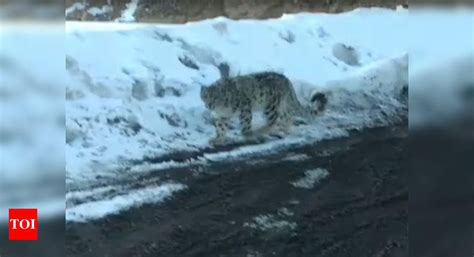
pixel 181 11
pixel 251 208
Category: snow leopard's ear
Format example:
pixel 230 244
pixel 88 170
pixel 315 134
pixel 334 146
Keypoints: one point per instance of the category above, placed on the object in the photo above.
pixel 203 90
pixel 224 70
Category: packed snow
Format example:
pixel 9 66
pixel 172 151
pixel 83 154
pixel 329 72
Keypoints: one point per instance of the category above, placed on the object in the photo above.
pixel 273 222
pixel 311 177
pixel 296 157
pixel 133 198
pixel 270 222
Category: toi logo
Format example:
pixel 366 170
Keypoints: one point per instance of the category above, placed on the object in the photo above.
pixel 23 224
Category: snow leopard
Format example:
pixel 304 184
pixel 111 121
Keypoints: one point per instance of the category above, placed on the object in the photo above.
pixel 270 92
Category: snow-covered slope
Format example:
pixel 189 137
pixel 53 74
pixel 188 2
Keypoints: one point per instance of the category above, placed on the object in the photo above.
pixel 133 89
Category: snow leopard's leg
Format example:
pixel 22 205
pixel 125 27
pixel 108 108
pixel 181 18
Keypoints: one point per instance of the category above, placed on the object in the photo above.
pixel 221 124
pixel 272 112
pixel 286 120
pixel 245 118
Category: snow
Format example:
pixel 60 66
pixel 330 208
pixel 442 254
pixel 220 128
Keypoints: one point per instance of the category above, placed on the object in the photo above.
pixel 128 95
pixel 76 6
pixel 127 87
pixel 94 11
pixel 296 157
pixel 132 89
pixel 311 177
pixel 400 8
pixel 273 222
pixel 270 222
pixel 134 198
pixel 129 12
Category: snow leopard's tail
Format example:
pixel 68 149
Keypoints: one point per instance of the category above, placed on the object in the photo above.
pixel 317 106
pixel 319 102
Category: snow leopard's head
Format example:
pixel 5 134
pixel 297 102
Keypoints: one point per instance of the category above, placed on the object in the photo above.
pixel 214 95
pixel 206 96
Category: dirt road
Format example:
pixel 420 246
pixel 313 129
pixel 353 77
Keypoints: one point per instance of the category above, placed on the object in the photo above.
pixel 251 208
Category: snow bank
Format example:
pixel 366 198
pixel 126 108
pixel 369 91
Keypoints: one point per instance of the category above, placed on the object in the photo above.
pixel 133 89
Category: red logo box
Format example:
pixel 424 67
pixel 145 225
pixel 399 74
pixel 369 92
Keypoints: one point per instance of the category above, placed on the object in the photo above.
pixel 23 224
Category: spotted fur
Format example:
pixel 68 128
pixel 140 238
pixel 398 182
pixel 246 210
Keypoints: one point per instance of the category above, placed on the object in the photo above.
pixel 270 92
